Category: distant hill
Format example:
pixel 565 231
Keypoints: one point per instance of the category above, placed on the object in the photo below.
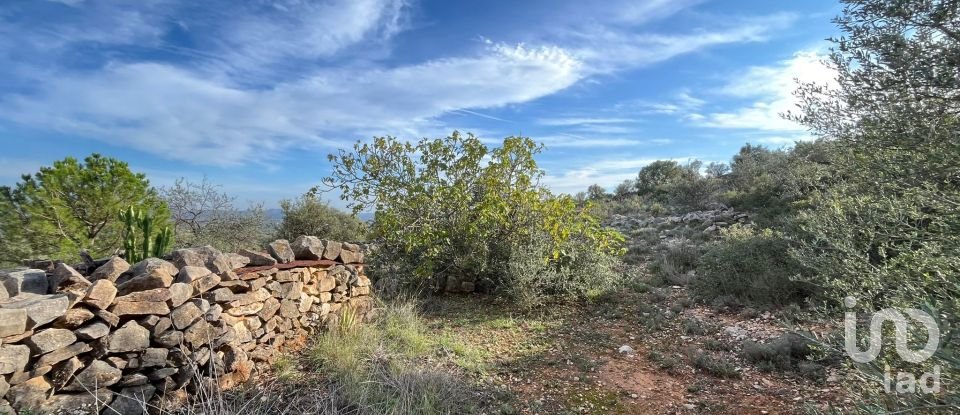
pixel 274 215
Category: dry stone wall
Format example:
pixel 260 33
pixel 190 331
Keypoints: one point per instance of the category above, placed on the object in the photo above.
pixel 110 338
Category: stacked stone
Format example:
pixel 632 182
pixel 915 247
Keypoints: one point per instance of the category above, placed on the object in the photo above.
pixel 125 337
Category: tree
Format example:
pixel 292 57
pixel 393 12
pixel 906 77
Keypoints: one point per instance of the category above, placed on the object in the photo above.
pixel 451 206
pixel 596 192
pixel 888 229
pixel 656 174
pixel 75 206
pixel 308 215
pixel 203 215
pixel 624 189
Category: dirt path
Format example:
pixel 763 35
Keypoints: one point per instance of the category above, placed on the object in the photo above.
pixel 686 358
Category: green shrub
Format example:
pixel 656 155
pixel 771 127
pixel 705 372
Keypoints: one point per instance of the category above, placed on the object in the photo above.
pixel 308 215
pixel 714 365
pixel 531 280
pixel 675 261
pixel 751 266
pixel 452 206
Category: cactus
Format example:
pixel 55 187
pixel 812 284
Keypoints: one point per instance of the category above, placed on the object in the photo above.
pixel 139 242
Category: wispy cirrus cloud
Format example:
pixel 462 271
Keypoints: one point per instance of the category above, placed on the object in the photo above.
pixel 223 82
pixel 768 93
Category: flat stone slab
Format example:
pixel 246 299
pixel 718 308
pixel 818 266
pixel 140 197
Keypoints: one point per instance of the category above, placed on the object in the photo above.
pixel 29 281
pixel 41 309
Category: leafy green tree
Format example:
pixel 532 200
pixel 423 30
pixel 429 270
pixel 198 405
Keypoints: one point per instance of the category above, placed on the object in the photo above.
pixel 654 175
pixel 888 230
pixel 596 192
pixel 308 215
pixel 74 206
pixel 451 206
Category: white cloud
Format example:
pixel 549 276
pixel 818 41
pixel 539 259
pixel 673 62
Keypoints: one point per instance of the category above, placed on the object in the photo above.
pixel 770 88
pixel 609 48
pixel 179 114
pixel 298 31
pixel 607 173
pixel 575 141
pixel 261 78
pixel 574 121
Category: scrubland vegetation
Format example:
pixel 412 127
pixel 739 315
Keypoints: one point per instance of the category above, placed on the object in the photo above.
pixel 869 209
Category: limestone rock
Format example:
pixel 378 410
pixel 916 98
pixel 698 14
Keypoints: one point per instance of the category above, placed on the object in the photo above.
pixel 47 340
pixel 41 309
pixel 76 402
pixel 351 254
pixel 13 321
pixel 60 355
pixel 191 273
pixel 97 374
pixel 30 394
pixel 64 371
pixel 199 334
pixel 237 260
pixel 307 247
pixel 331 249
pixel 131 400
pixel 73 318
pixel 101 293
pixel 92 331
pixel 204 284
pixel 29 281
pixel 257 259
pixel 169 338
pixel 65 278
pixel 111 319
pixel 139 308
pixel 153 266
pixel 281 251
pixel 129 338
pixel 13 358
pixel 180 293
pixel 197 257
pixel 269 309
pixel 153 357
pixel 185 315
pixel 111 270
pixel 157 278
pixel 156 295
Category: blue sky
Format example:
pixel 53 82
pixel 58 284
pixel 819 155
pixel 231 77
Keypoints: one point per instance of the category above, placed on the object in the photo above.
pixel 253 95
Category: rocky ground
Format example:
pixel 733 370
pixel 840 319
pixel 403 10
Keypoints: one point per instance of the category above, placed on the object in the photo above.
pixel 641 353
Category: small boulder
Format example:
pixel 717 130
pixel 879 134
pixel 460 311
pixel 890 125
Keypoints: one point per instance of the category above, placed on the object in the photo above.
pixel 29 395
pixel 29 281
pixel 73 318
pixel 257 259
pixel 92 331
pixel 153 265
pixel 110 270
pixel 281 251
pixel 331 249
pixel 13 322
pixel 179 293
pixel 101 293
pixel 41 309
pixel 129 338
pixel 66 279
pixel 155 279
pixel 48 340
pixel 13 358
pixel 97 374
pixel 307 247
pixel 237 260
